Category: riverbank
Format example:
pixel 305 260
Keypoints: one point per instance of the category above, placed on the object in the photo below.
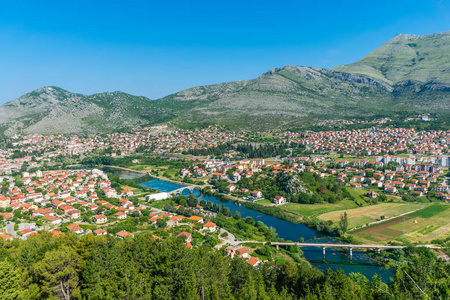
pixel 335 259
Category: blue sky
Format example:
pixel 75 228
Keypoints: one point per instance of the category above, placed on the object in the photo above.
pixel 154 48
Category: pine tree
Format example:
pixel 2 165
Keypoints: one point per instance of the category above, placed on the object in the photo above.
pixel 58 273
pixel 10 282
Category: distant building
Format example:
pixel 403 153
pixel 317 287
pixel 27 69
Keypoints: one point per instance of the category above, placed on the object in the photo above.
pixel 157 197
pixel 279 200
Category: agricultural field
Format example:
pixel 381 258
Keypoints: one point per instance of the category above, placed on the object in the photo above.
pixel 360 216
pixel 423 226
pixel 317 209
pixel 149 168
pixel 127 187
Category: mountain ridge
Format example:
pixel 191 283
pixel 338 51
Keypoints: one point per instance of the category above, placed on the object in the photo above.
pixel 407 73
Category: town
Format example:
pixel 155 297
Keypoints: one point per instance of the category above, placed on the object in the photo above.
pixel 47 186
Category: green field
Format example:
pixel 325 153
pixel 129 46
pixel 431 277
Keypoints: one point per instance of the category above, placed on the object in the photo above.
pixel 360 216
pixel 264 202
pixel 430 211
pixel 317 209
pixel 423 226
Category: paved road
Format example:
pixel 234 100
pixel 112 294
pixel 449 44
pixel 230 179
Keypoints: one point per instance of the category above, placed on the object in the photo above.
pixel 230 239
pixel 9 229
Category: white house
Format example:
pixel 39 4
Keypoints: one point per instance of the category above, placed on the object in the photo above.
pixel 279 200
pixel 257 194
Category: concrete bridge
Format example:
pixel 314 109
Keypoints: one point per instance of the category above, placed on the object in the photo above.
pixel 350 247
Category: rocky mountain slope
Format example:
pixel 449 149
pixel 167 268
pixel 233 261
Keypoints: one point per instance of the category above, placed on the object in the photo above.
pixel 52 110
pixel 408 73
pixel 408 60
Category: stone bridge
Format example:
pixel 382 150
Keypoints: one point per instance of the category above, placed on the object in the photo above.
pixel 190 188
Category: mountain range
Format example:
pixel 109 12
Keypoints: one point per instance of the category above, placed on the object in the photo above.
pixel 409 73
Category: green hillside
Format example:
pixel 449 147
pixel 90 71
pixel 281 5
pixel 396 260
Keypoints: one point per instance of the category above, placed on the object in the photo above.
pixel 424 60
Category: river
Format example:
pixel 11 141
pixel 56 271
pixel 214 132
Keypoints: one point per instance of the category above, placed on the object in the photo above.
pixel 334 259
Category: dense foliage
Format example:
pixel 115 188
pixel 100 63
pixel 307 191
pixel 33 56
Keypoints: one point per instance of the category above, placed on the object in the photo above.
pixel 304 187
pixel 70 267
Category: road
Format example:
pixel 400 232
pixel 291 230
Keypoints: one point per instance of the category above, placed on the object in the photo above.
pixel 229 239
pixel 9 228
pixel 243 200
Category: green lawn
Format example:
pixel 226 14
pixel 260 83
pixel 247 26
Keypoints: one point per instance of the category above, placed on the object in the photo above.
pixel 264 202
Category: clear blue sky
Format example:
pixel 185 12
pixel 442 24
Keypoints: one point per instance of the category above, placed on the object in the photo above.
pixel 154 48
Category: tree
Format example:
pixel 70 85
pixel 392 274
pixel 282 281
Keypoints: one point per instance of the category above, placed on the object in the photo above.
pixel 209 205
pixel 183 202
pixel 192 201
pixel 250 221
pixel 10 282
pixel 237 215
pixel 58 273
pixel 24 167
pixel 161 223
pixel 343 224
pixel 322 189
pixel 227 212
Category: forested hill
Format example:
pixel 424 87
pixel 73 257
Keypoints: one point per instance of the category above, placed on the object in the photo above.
pixel 88 267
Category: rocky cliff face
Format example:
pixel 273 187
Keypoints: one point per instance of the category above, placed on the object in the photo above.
pixel 296 186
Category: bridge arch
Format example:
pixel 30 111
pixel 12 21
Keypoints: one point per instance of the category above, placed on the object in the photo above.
pixel 191 189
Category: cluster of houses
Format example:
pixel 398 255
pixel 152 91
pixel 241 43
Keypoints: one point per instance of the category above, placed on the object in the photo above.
pixel 374 141
pixel 56 197
pixel 419 179
pixel 218 168
pixel 114 144
pixel 185 140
